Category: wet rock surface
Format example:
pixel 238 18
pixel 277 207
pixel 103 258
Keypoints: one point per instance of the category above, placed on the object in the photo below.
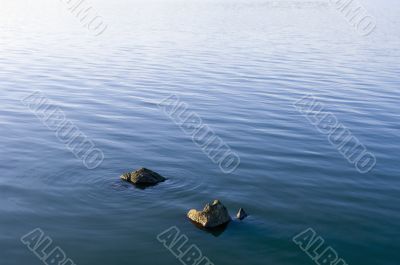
pixel 213 215
pixel 241 214
pixel 143 176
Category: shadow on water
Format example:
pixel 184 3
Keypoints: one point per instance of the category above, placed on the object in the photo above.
pixel 215 231
pixel 140 186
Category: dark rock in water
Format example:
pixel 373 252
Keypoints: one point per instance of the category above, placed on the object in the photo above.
pixel 241 214
pixel 213 215
pixel 143 176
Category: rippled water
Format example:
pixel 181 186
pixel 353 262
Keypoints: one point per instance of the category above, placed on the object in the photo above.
pixel 240 65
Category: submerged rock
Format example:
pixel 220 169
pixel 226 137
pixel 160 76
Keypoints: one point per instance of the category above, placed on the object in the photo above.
pixel 241 214
pixel 143 176
pixel 213 215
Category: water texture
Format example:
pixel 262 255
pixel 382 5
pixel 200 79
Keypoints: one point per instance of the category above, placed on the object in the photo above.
pixel 240 65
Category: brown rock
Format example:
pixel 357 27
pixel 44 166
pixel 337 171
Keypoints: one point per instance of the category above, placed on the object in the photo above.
pixel 143 176
pixel 213 215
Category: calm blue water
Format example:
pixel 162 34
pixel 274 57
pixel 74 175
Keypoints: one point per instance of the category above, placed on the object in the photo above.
pixel 240 65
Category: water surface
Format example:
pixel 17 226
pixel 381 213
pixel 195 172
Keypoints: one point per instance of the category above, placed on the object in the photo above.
pixel 240 65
